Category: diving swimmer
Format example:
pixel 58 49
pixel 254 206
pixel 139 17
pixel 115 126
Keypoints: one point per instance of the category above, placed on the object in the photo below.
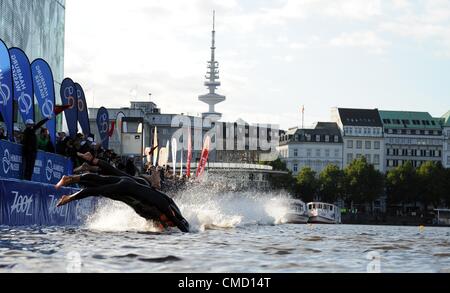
pixel 104 168
pixel 145 200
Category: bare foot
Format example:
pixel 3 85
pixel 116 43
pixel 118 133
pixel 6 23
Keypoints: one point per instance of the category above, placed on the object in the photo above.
pixel 87 156
pixel 65 199
pixel 65 180
pixel 83 168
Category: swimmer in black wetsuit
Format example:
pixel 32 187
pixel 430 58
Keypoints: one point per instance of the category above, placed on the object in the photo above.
pixel 104 168
pixel 146 201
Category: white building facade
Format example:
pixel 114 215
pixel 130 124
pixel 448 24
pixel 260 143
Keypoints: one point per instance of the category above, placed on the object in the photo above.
pixel 445 122
pixel 414 137
pixel 315 148
pixel 362 133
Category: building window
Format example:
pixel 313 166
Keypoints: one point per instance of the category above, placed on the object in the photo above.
pixel 336 138
pixel 448 160
pixel 376 145
pixel 317 138
pixel 318 152
pixel 295 169
pixel 295 153
pixel 336 153
pixel 390 131
pixel 327 138
pixel 368 145
pixel 358 156
pixel 308 152
pixel 349 158
pixel 376 159
pixel 349 144
pixel 359 144
pixel 368 158
pixel 327 153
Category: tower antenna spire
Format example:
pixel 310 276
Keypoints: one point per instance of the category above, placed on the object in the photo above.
pixel 212 79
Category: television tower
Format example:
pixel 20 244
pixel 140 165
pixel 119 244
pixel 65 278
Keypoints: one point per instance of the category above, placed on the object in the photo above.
pixel 212 80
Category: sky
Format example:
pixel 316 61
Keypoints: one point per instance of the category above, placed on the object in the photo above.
pixel 275 55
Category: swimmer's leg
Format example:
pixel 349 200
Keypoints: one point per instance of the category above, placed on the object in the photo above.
pixel 88 180
pixel 67 180
pixel 85 167
pixel 108 191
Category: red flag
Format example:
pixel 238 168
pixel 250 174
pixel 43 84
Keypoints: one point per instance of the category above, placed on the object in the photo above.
pixel 111 130
pixel 189 155
pixel 204 158
pixel 59 109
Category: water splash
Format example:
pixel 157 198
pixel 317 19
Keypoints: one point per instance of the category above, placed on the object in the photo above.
pixel 232 209
pixel 206 205
pixel 113 216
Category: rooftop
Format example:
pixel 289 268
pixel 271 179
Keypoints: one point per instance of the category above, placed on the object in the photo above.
pixel 410 120
pixel 322 129
pixel 446 117
pixel 360 117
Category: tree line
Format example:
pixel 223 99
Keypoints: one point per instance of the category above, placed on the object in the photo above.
pixel 360 183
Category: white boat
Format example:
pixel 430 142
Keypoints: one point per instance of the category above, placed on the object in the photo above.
pixel 323 213
pixel 297 213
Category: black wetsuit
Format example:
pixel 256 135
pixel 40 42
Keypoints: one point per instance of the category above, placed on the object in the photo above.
pixel 146 201
pixel 108 169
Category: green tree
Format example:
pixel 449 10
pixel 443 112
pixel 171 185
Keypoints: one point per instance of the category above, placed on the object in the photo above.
pixel 431 178
pixel 331 184
pixel 280 180
pixel 278 165
pixel 447 187
pixel 307 184
pixel 402 185
pixel 363 184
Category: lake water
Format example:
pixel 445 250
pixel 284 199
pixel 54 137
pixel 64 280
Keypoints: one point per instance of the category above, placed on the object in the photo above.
pixel 231 232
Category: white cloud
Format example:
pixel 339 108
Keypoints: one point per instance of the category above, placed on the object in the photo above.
pixel 401 4
pixel 366 40
pixel 353 9
pixel 286 58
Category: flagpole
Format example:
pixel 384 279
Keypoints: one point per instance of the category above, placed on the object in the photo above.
pixel 303 116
